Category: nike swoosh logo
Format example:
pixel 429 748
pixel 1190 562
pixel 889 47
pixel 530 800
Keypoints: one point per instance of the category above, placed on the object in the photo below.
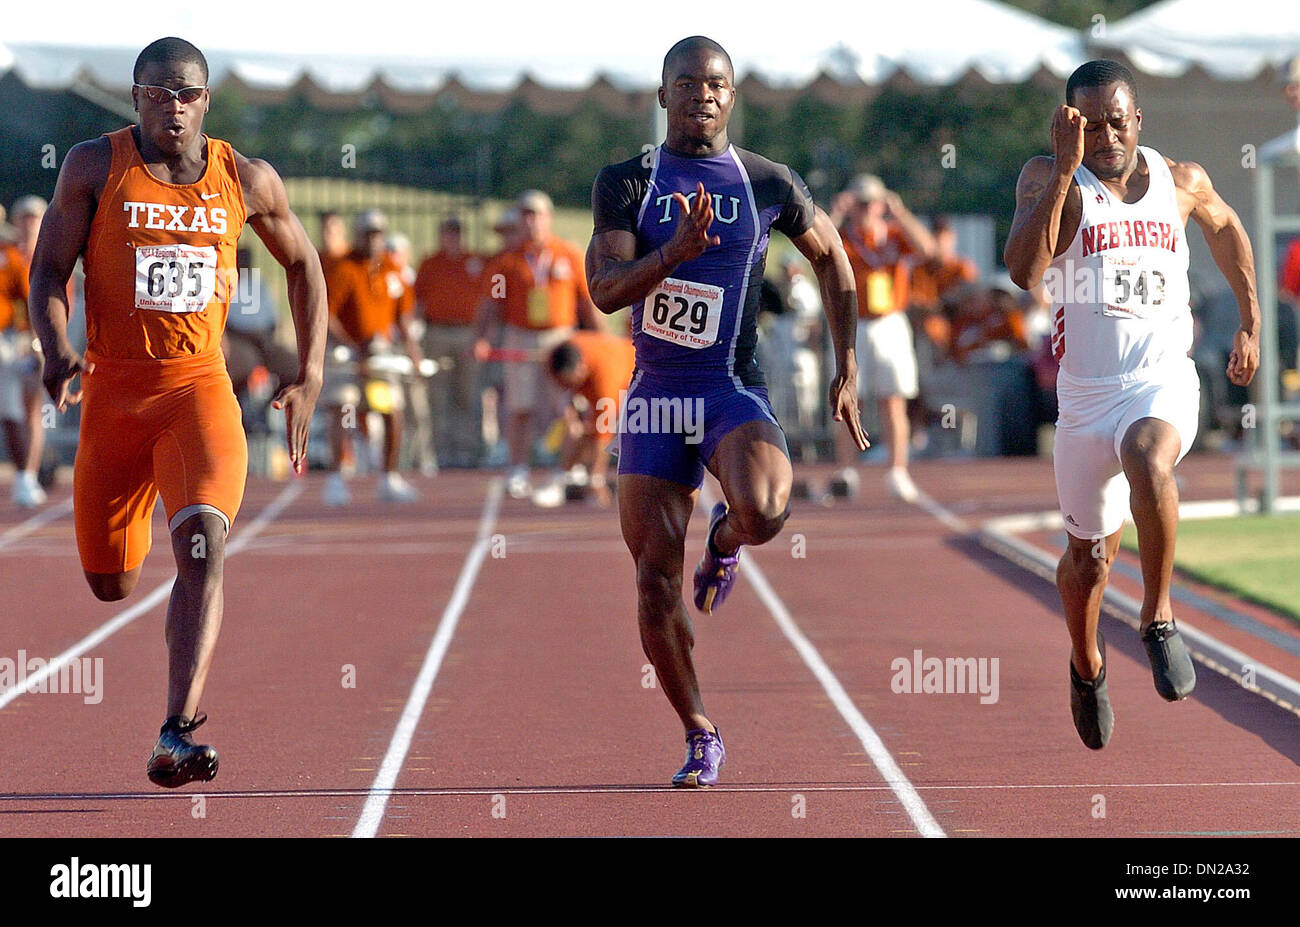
pixel 208 196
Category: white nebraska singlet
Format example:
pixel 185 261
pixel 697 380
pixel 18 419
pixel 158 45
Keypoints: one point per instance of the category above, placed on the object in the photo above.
pixel 1122 330
pixel 1119 292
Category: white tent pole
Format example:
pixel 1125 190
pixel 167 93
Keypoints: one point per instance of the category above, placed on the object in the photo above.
pixel 1268 418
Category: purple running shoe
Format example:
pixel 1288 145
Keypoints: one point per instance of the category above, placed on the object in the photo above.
pixel 715 575
pixel 704 757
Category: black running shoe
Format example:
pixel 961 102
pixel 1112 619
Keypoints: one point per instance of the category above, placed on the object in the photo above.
pixel 1171 667
pixel 1090 704
pixel 176 759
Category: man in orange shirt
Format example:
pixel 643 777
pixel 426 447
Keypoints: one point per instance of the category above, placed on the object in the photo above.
pixel 20 381
pixel 598 367
pixel 370 309
pixel 883 241
pixel 448 287
pixel 155 210
pixel 537 291
pixel 943 274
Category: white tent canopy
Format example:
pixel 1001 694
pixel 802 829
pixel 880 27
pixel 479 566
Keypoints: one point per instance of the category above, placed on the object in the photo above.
pixel 1232 41
pixel 415 47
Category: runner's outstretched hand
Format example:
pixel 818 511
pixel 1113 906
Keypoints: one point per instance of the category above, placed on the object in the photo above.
pixel 844 406
pixel 691 238
pixel 57 374
pixel 298 400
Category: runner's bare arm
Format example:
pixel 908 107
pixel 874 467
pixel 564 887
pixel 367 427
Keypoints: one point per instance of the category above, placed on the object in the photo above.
pixel 274 222
pixel 615 275
pixel 822 247
pixel 1232 253
pixel 62 238
pixel 1042 196
pixel 1048 202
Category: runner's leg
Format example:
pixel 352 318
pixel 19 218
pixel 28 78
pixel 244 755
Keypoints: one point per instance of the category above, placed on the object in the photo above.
pixel 1148 452
pixel 654 514
pixel 195 610
pixel 753 466
pixel 1081 580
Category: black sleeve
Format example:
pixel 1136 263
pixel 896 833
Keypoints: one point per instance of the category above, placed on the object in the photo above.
pixel 615 197
pixel 797 215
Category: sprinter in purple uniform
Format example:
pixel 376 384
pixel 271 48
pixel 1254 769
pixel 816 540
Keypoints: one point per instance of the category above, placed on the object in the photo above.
pixel 681 235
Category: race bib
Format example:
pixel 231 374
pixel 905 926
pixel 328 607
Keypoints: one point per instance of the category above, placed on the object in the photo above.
pixel 683 312
pixel 175 278
pixel 1129 289
pixel 880 292
pixel 539 307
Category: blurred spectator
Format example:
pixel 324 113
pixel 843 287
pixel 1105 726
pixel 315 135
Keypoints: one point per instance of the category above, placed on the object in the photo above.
pixel 883 241
pixel 945 269
pixel 334 240
pixel 933 282
pixel 447 289
pixel 20 368
pixel 250 332
pixel 789 346
pixel 370 311
pixel 398 247
pixel 1289 142
pixel 536 289
pixel 598 368
pixel 1215 321
pixel 989 340
pixel 840 208
pixel 417 450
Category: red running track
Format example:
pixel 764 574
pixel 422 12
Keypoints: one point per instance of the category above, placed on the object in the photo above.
pixel 542 718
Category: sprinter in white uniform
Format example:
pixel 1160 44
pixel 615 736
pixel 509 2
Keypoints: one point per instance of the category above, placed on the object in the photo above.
pixel 1102 225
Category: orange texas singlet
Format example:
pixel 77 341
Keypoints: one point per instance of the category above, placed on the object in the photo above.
pixel 160 260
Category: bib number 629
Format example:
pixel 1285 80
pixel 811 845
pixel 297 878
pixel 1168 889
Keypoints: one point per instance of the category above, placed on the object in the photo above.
pixel 670 312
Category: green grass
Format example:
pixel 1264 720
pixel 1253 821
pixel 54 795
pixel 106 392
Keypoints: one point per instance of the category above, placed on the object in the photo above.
pixel 1256 557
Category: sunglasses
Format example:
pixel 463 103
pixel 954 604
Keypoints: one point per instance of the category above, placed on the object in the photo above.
pixel 163 95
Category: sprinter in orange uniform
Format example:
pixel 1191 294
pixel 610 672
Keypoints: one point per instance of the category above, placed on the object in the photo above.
pixel 155 211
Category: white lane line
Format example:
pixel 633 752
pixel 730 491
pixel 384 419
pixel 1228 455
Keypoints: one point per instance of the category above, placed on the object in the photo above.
pixel 999 536
pixel 956 523
pixel 372 814
pixel 43 517
pixel 1209 651
pixel 156 595
pixel 866 734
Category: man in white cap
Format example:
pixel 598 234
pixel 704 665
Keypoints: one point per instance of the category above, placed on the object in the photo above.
pixel 883 241
pixel 536 288
pixel 370 311
pixel 20 369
